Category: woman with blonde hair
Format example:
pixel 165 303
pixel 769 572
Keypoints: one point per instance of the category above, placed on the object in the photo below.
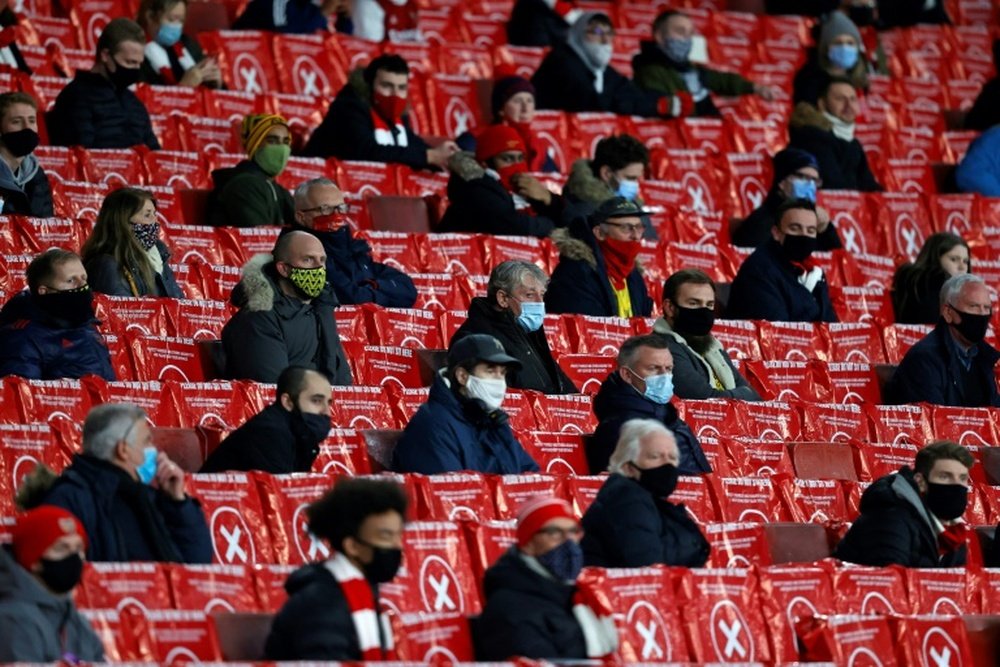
pixel 124 255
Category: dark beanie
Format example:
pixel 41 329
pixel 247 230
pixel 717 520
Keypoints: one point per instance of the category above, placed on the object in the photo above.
pixel 789 161
pixel 506 88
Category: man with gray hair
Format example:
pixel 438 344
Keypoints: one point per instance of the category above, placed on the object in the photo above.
pixel 128 495
pixel 320 209
pixel 513 312
pixel 631 523
pixel 952 365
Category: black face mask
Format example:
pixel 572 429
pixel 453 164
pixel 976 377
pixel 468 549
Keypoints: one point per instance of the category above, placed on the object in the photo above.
pixel 123 77
pixel 972 327
pixel 73 306
pixel 693 321
pixel 60 576
pixel 798 248
pixel 946 501
pixel 384 564
pixel 20 143
pixel 660 481
pixel 309 427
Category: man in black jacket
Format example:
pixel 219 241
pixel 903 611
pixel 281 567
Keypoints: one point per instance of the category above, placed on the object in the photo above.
pixel 285 436
pixel 368 121
pixel 24 186
pixel 332 612
pixel 97 109
pixel 952 365
pixel 513 312
pixel 631 523
pixel 641 388
pixel 913 517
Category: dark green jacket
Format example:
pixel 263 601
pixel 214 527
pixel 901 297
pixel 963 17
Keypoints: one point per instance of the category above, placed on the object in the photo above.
pixel 652 70
pixel 245 196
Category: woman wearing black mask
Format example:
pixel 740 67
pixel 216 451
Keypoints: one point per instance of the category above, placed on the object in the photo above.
pixel 24 187
pixel 38 622
pixel 631 523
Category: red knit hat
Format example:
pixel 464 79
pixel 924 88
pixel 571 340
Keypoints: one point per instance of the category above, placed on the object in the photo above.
pixel 497 139
pixel 38 530
pixel 537 512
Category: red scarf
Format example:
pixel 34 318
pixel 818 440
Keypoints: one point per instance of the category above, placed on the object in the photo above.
pixel 805 266
pixel 619 259
pixel 369 625
pixel 951 539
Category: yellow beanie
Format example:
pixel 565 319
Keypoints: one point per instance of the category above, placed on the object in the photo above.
pixel 255 127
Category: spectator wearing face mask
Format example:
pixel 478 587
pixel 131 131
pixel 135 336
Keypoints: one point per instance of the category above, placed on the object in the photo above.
pixel 702 367
pixel 839 52
pixel 641 388
pixel 248 195
pixel 827 133
pixel 124 255
pixel 24 186
pixel 598 273
pixel 97 109
pixel 953 364
pixel 10 55
pixel 916 286
pixel 513 312
pixel 285 436
pixel 50 332
pixel 493 193
pixel 631 522
pixel 779 281
pixel 368 120
pixel 577 76
pixel 38 573
pixel 664 66
pixel 534 608
pixel 461 426
pixel 128 495
pixel 913 518
pixel 541 22
pixel 619 165
pixel 796 176
pixel 172 57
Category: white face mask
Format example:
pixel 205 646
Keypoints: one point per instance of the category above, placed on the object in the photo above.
pixel 489 391
pixel 599 54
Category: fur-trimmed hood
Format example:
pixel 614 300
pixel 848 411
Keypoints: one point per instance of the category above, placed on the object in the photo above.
pixel 464 165
pixel 807 115
pixel 356 80
pixel 584 186
pixel 256 288
pixel 571 247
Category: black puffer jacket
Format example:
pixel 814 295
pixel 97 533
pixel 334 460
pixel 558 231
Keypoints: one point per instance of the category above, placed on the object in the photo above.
pixel 895 528
pixel 626 527
pixel 92 113
pixel 274 440
pixel 526 614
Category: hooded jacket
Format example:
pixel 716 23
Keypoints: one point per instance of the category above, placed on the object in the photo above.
pixel 895 528
pixel 37 346
pixel 480 204
pixel 273 331
pixel 348 131
pixel 693 371
pixel 584 192
pixel 92 113
pixel 756 228
pixel 842 164
pixel 526 614
pixel 767 287
pixel 626 526
pixel 274 440
pixel 617 402
pixel 930 372
pixel 539 371
pixel 355 276
pixel 105 275
pixel 449 434
pixel 580 282
pixel 28 192
pixel 38 626
pixel 245 196
pixel 89 488
pixel 809 80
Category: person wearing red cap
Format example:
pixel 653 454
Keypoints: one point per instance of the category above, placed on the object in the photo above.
pixel 534 608
pixel 492 193
pixel 38 622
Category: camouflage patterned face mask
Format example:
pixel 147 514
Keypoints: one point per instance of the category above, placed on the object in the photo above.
pixel 310 281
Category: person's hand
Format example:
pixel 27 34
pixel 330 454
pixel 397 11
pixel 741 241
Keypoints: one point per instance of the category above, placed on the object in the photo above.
pixel 210 71
pixel 824 219
pixel 205 71
pixel 766 93
pixel 169 477
pixel 438 156
pixel 531 188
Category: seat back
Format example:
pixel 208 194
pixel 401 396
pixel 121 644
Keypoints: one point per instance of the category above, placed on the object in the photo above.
pixel 242 636
pixel 399 214
pixel 213 359
pixel 194 201
pixel 381 443
pixel 823 460
pixel 430 362
pixel 796 542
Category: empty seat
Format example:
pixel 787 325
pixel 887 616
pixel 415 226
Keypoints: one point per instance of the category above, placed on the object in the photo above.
pixel 241 636
pixel 194 202
pixel 182 445
pixel 380 444
pixel 430 362
pixel 399 214
pixel 824 460
pixel 796 542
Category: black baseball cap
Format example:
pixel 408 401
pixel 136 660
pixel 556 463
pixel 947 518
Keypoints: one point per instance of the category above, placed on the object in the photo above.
pixel 616 207
pixel 480 347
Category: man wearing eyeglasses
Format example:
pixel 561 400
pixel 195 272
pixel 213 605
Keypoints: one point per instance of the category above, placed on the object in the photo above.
pixel 321 210
pixel 952 365
pixel 597 272
pixel 533 606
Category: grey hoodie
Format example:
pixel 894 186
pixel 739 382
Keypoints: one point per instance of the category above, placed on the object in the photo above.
pixel 37 626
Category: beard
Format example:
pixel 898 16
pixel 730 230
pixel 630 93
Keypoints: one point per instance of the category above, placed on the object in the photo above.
pixel 700 344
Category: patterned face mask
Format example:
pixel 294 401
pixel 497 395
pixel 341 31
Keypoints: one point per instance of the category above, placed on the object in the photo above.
pixel 147 234
pixel 309 281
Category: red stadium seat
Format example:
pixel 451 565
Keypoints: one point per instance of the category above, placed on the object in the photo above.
pixel 796 542
pixel 823 461
pixel 241 636
pixel 399 214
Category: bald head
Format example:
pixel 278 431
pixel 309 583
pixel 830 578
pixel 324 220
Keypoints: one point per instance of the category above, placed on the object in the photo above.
pixel 297 250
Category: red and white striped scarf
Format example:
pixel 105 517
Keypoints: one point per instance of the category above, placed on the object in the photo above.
pixel 158 57
pixel 386 136
pixel 361 602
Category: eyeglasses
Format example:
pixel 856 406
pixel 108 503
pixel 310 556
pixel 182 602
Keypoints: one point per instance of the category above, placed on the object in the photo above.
pixel 563 533
pixel 630 227
pixel 600 32
pixel 327 209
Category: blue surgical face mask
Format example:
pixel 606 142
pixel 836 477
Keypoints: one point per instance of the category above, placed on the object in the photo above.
pixel 169 34
pixel 803 188
pixel 147 471
pixel 844 56
pixel 532 315
pixel 659 388
pixel 628 189
pixel 677 50
pixel 564 562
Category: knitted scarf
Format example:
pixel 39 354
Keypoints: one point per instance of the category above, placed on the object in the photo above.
pixel 158 57
pixel 389 136
pixel 597 622
pixel 369 625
